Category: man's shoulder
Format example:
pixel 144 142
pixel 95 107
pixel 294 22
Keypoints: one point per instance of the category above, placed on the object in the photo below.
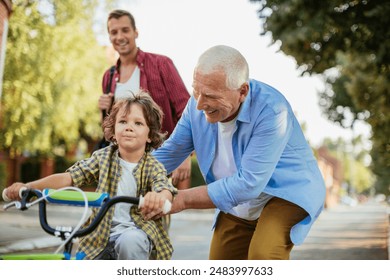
pixel 111 69
pixel 109 72
pixel 154 56
pixel 266 95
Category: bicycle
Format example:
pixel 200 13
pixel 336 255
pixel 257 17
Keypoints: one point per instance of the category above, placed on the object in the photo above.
pixel 67 196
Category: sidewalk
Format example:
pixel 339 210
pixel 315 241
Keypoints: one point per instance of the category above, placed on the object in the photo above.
pixel 340 233
pixel 348 233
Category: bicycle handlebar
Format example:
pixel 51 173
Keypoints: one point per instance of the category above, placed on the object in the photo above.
pixel 28 194
pixel 30 197
pixel 101 200
pixel 7 199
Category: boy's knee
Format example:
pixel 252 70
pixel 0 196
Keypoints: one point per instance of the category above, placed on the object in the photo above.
pixel 133 244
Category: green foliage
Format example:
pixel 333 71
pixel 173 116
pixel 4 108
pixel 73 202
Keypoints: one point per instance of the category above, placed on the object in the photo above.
pixel 196 176
pixel 352 157
pixel 52 77
pixel 348 42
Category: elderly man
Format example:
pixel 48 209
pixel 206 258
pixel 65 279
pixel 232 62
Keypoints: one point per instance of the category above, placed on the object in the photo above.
pixel 260 172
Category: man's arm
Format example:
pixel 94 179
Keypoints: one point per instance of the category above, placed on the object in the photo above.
pixel 174 85
pixel 194 198
pixel 178 147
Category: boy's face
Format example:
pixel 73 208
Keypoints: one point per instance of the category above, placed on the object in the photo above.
pixel 131 131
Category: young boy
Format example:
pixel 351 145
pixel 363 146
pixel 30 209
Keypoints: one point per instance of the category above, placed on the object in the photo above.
pixel 126 167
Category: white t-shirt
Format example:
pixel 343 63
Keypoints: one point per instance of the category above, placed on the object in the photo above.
pixel 127 186
pixel 124 90
pixel 224 166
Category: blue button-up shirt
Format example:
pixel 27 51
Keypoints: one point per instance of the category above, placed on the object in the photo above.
pixel 270 152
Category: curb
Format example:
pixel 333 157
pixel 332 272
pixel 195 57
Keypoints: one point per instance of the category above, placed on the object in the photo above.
pixel 31 244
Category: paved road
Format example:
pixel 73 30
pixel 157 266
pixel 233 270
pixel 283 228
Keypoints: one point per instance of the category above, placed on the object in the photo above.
pixel 341 233
pixel 348 233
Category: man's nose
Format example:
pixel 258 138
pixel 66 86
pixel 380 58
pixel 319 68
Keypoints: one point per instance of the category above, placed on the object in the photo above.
pixel 200 102
pixel 120 35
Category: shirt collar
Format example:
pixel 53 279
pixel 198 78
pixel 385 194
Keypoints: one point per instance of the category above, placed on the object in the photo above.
pixel 244 114
pixel 140 59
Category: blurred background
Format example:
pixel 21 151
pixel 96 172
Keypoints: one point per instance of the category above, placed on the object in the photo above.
pixel 329 58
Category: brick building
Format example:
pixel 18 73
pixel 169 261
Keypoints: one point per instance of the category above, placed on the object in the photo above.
pixel 331 170
pixel 5 12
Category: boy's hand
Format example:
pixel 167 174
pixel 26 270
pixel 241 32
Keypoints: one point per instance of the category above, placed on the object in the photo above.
pixel 12 192
pixel 153 205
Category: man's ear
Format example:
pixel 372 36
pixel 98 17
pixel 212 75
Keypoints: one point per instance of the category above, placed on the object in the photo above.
pixel 244 89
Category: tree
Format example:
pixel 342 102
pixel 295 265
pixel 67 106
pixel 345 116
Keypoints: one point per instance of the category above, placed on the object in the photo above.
pixel 352 157
pixel 52 77
pixel 348 42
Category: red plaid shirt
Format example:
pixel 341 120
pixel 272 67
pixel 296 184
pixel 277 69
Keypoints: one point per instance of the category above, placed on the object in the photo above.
pixel 161 79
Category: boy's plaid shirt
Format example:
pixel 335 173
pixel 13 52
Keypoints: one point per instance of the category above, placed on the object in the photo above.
pixel 103 167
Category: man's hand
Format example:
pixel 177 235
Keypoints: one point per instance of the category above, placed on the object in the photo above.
pixel 183 172
pixel 153 205
pixel 105 101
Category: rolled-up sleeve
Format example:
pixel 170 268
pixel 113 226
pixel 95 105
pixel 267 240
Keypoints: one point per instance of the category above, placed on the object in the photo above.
pixel 160 180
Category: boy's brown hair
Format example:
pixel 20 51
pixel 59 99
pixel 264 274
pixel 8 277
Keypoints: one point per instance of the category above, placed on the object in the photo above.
pixel 152 114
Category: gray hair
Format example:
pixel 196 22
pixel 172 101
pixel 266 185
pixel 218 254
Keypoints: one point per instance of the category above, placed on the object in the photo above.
pixel 227 59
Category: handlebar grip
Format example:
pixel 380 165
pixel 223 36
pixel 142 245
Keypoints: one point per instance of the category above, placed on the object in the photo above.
pixel 7 199
pixel 167 206
pixel 71 197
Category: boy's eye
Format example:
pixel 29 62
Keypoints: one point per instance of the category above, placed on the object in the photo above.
pixel 138 123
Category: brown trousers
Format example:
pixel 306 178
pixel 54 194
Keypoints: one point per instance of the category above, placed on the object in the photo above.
pixel 267 238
